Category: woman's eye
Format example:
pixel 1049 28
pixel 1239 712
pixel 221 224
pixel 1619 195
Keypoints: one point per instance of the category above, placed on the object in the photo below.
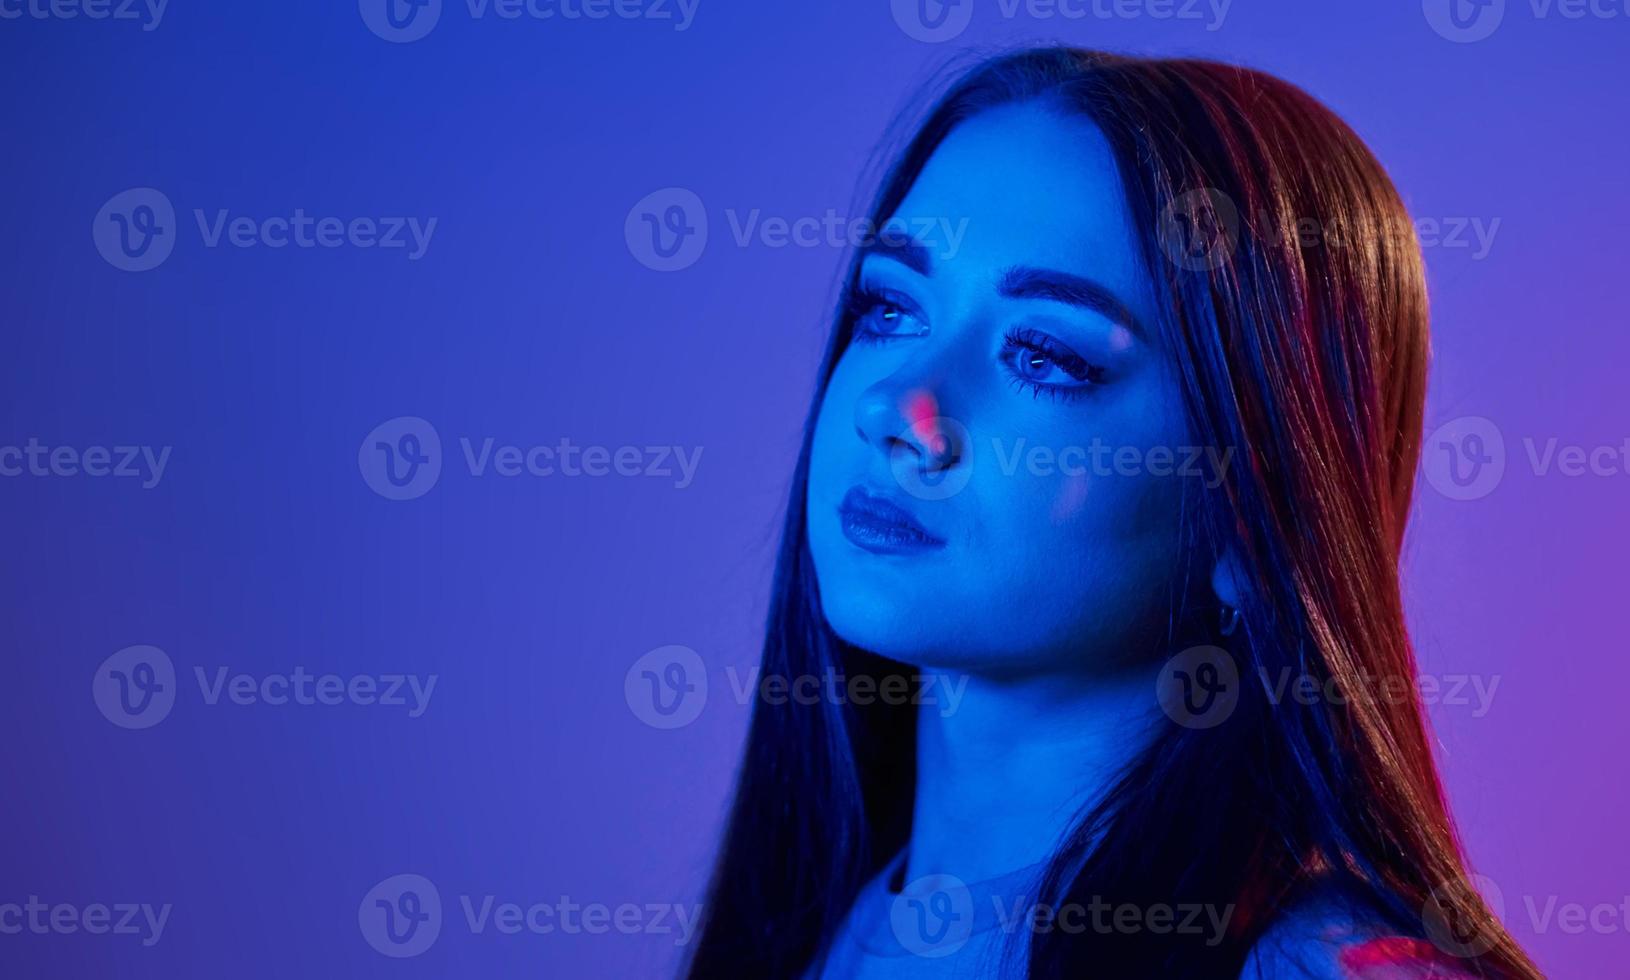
pixel 881 316
pixel 1043 365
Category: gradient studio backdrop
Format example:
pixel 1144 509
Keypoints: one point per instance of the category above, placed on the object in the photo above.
pixel 530 315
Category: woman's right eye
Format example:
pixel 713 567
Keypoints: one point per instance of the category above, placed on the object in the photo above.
pixel 880 315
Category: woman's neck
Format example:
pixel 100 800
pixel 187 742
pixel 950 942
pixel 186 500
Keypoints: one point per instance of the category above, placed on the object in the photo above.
pixel 1003 776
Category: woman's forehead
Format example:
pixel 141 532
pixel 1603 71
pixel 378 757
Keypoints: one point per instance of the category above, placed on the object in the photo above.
pixel 1031 186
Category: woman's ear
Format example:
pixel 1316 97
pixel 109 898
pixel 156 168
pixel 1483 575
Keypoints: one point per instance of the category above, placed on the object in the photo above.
pixel 1228 582
pixel 1228 579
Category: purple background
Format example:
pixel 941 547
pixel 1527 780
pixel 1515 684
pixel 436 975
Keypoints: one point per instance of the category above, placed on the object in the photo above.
pixel 530 319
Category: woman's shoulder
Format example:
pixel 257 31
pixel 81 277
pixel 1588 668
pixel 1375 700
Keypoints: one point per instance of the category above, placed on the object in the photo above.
pixel 1326 937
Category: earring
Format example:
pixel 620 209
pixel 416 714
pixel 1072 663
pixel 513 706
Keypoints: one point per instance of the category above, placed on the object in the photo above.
pixel 1230 620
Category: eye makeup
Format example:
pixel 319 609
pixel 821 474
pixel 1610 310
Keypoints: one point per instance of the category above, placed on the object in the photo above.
pixel 1042 364
pixel 879 314
pixel 1033 360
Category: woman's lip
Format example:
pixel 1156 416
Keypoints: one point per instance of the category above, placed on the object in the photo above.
pixel 878 524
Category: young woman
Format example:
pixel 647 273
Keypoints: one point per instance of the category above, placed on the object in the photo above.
pixel 1105 482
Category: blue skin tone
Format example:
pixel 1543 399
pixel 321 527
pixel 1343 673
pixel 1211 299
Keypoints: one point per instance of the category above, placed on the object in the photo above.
pixel 1051 591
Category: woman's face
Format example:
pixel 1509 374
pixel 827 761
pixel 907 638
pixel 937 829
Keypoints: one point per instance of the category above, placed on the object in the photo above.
pixel 997 468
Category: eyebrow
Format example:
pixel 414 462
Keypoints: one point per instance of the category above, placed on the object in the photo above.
pixel 1020 282
pixel 912 254
pixel 1023 282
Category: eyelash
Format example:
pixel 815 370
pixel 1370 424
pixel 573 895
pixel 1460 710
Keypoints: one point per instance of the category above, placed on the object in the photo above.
pixel 1023 340
pixel 864 300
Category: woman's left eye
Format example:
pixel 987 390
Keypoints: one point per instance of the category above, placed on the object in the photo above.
pixel 1043 365
pixel 879 315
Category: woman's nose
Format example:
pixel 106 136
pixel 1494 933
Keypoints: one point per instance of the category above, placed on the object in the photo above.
pixel 906 424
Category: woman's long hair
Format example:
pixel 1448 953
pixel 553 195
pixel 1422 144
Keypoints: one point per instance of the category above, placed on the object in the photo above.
pixel 1292 295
